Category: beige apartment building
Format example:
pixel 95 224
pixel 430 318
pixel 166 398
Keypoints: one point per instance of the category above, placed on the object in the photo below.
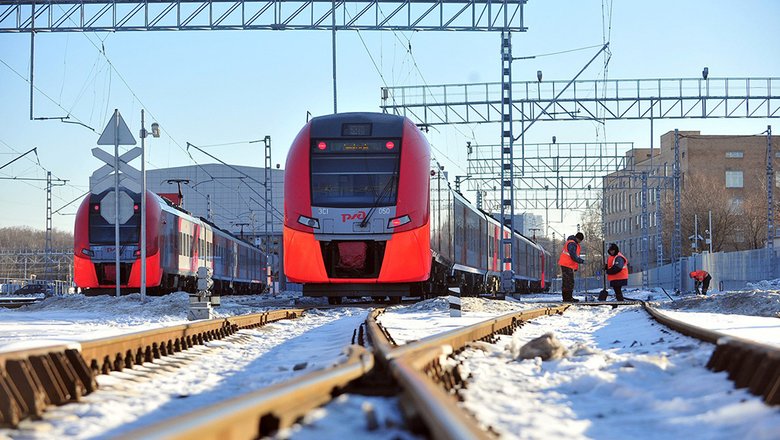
pixel 735 165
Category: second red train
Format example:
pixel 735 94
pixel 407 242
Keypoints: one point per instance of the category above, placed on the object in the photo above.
pixel 365 215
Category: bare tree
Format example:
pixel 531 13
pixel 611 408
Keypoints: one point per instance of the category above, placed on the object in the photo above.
pixel 25 238
pixel 701 195
pixel 753 221
pixel 590 225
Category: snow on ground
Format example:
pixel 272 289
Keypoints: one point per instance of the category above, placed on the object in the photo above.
pixel 747 303
pixel 349 417
pixel 73 318
pixel 751 313
pixel 606 389
pixel 625 377
pixel 429 317
pixel 248 360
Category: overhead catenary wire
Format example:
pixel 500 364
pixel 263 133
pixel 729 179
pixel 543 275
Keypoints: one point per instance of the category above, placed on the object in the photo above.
pixel 384 81
pixel 275 212
pixel 102 51
pixel 53 101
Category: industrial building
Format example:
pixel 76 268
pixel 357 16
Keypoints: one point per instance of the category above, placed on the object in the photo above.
pixel 736 166
pixel 233 197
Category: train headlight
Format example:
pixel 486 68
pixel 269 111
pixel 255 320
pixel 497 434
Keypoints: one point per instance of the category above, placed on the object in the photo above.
pixel 310 222
pixel 87 252
pixel 398 221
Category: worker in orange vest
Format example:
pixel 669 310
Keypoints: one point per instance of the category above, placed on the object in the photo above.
pixel 617 272
pixel 569 261
pixel 701 278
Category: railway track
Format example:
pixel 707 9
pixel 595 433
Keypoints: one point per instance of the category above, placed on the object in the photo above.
pixel 750 364
pixel 415 367
pixel 32 379
pixel 427 380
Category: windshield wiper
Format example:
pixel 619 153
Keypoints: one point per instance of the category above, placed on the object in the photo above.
pixel 387 187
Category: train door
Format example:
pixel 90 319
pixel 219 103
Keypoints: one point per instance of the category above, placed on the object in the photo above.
pixel 435 216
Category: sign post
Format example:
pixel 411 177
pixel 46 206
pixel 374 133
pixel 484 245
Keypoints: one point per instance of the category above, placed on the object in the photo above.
pixel 116 133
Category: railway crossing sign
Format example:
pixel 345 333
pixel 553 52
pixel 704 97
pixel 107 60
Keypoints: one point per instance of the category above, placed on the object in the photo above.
pixel 103 178
pixel 117 171
pixel 116 133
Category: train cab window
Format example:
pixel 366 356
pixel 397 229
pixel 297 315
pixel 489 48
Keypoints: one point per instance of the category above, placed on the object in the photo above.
pixel 101 231
pixel 355 173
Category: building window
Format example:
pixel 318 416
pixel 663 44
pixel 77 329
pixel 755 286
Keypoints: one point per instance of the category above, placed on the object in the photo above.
pixel 735 155
pixel 736 205
pixel 733 179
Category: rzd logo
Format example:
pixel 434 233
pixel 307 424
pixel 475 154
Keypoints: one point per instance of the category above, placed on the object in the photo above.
pixel 360 215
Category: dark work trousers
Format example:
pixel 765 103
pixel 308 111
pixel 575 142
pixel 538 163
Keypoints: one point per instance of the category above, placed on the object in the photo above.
pixel 567 283
pixel 705 284
pixel 617 286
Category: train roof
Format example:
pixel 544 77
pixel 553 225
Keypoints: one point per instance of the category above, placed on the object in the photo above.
pixel 357 124
pixel 167 203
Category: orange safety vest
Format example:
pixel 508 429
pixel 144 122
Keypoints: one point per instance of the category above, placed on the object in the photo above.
pixel 623 274
pixel 699 275
pixel 566 260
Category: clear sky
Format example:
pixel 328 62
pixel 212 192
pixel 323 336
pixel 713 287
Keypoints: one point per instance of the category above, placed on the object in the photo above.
pixel 231 87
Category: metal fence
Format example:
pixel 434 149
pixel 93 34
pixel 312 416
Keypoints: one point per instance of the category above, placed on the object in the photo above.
pixel 729 271
pixel 10 285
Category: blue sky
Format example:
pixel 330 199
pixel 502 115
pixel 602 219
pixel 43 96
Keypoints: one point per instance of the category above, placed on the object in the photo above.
pixel 231 87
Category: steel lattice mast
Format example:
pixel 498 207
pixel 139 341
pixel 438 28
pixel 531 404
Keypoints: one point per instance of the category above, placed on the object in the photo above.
pixel 134 15
pixel 589 100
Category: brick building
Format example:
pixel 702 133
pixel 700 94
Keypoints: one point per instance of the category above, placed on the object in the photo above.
pixel 736 165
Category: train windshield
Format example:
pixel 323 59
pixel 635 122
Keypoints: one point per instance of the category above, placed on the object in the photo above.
pixel 101 231
pixel 355 173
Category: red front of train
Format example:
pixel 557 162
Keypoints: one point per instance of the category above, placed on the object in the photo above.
pixel 94 262
pixel 356 210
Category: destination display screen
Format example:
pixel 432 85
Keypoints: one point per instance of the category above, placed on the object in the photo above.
pixel 384 146
pixel 355 129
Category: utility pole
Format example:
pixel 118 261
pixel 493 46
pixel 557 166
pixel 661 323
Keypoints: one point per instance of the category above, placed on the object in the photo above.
pixel 770 180
pixel 143 133
pixel 50 183
pixel 333 16
pixel 677 237
pixel 659 221
pixel 644 250
pixel 770 202
pixel 268 228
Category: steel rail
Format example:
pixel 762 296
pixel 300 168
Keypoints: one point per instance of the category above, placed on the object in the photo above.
pixel 749 364
pixel 417 369
pixel 32 379
pixel 260 413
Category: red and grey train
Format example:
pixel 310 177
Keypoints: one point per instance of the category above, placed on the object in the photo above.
pixel 365 215
pixel 177 243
